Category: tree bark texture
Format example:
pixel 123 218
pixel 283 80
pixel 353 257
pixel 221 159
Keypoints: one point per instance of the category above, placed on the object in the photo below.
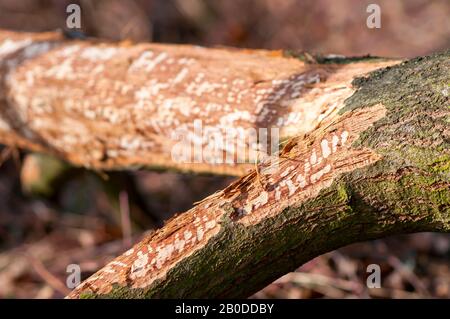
pixel 365 155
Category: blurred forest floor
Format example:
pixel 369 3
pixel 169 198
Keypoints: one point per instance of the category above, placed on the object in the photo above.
pixel 81 222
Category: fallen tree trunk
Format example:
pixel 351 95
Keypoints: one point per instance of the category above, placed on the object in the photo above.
pixel 370 157
pixel 112 106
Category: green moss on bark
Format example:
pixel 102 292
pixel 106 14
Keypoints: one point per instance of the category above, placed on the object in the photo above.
pixel 415 131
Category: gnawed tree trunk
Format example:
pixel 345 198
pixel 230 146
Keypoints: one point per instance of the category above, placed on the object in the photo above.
pixel 365 160
pixel 110 106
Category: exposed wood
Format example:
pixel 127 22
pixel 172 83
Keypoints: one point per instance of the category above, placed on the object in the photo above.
pixel 364 157
pixel 110 106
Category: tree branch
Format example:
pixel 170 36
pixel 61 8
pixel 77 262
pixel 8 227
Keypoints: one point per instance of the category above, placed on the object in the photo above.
pixel 378 167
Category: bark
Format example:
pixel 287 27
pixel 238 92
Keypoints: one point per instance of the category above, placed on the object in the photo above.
pixel 367 157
